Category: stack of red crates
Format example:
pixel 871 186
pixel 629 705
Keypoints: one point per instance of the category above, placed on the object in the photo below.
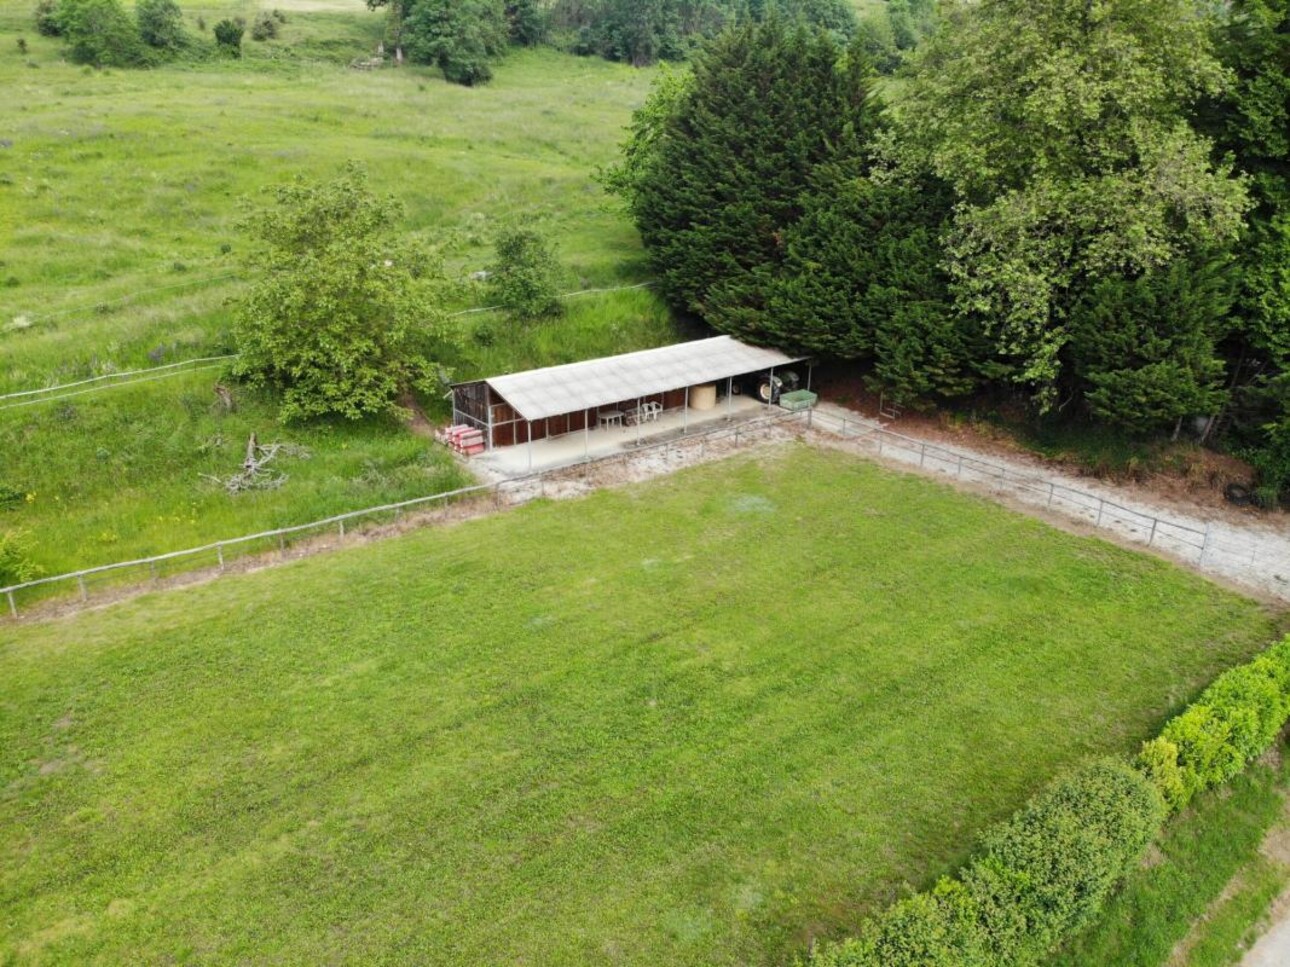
pixel 466 440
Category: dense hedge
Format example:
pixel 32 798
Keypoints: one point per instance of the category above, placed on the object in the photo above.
pixel 1232 722
pixel 1044 874
pixel 1038 878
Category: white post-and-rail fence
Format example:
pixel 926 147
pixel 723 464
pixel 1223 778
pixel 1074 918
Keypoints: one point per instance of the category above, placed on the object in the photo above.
pixel 1197 545
pixel 689 448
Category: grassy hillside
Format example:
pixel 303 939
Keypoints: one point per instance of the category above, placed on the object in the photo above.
pixel 788 685
pixel 120 200
pixel 121 182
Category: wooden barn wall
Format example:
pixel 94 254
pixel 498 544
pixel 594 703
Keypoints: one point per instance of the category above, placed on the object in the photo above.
pixel 510 429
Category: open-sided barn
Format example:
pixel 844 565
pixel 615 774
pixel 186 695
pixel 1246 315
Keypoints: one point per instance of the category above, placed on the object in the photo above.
pixel 614 391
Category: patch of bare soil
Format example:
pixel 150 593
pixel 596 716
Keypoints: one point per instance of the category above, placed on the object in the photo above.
pixel 417 421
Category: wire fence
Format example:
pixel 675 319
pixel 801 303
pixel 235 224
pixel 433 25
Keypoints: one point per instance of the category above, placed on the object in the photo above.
pixel 1260 561
pixel 1264 564
pixel 133 377
pixel 237 553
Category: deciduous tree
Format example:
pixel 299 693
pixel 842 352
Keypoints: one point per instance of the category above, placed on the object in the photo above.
pixel 344 315
pixel 1063 130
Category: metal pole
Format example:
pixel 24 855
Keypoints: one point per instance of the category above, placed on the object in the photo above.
pixel 219 551
pixel 809 368
pixel 586 434
pixel 529 425
pixel 80 579
pixel 13 607
pixel 685 413
pixel 342 530
pixel 1152 536
pixel 730 397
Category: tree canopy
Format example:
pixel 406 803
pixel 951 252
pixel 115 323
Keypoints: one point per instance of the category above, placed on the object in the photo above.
pixel 719 165
pixel 1063 131
pixel 1085 203
pixel 344 316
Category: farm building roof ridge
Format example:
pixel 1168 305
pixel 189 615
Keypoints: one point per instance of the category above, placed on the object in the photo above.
pixel 540 393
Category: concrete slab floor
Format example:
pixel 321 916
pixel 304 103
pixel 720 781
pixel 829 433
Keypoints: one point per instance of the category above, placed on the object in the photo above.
pixel 572 448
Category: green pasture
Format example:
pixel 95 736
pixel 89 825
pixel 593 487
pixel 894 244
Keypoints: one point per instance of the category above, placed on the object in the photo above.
pixel 122 192
pixel 121 200
pixel 698 721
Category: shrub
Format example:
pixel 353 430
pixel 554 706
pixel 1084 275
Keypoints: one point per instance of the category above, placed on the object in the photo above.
pixel 525 277
pixel 1233 721
pixel 16 565
pixel 100 33
pixel 1038 879
pixel 1046 872
pixel 264 27
pixel 47 22
pixel 160 23
pixel 228 35
pixel 1158 762
pixel 937 929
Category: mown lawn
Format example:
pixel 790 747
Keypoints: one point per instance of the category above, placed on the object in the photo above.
pixel 698 721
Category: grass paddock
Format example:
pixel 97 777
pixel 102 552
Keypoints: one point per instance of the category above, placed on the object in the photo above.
pixel 697 721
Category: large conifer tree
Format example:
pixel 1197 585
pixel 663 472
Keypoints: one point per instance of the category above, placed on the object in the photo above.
pixel 732 164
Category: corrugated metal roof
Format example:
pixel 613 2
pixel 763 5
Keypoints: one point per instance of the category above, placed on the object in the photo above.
pixel 540 393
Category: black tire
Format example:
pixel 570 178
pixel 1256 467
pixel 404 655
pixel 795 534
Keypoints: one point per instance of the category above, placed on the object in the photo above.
pixel 765 391
pixel 1238 494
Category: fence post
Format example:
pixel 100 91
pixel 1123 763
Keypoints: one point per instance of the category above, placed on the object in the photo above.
pixel 282 546
pixel 219 552
pixel 1051 490
pixel 80 580
pixel 1101 506
pixel 1204 546
pixel 1152 536
pixel 922 453
pixel 13 606
pixel 342 531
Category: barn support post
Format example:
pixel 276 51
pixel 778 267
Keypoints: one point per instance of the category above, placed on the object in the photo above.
pixel 488 408
pixel 730 397
pixel 810 368
pixel 770 391
pixel 529 425
pixel 685 413
pixel 586 434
